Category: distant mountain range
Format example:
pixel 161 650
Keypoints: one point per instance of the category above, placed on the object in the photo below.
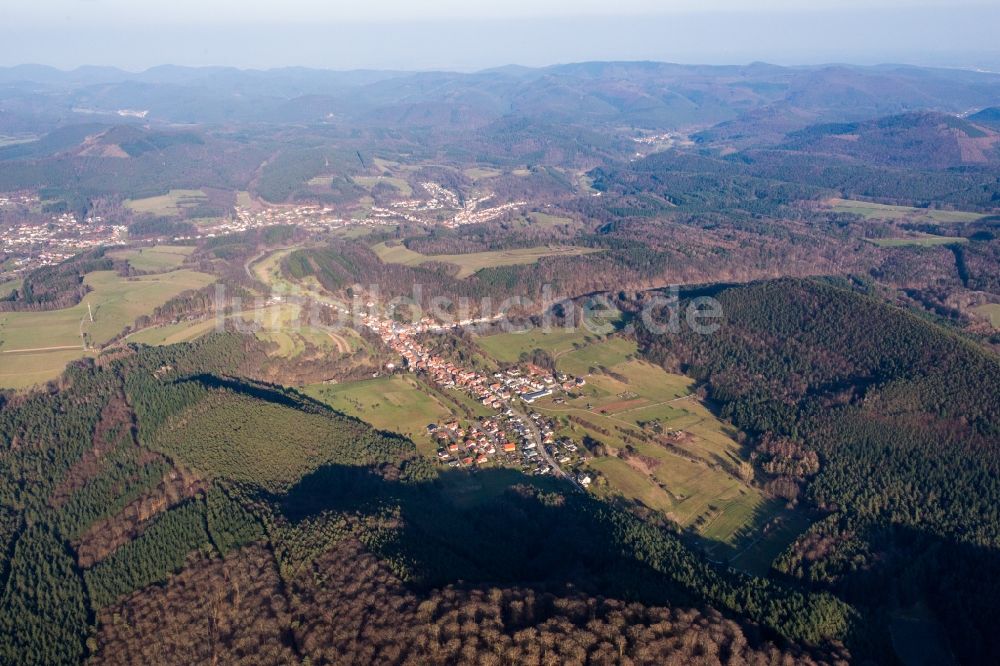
pixel 635 94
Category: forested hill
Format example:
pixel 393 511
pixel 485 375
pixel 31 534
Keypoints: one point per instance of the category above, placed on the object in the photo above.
pixel 154 474
pixel 905 419
pixel 918 140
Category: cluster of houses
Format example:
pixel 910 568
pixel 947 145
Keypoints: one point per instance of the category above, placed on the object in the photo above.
pixel 494 391
pixel 441 198
pixel 314 218
pixel 471 213
pixel 18 200
pixel 503 436
pixel 36 244
pixel 319 218
pixel 506 438
pixel 656 139
pixel 305 215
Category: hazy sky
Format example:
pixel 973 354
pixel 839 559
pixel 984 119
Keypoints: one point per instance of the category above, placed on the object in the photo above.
pixel 471 34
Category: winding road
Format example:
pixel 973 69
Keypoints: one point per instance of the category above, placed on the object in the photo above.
pixel 537 436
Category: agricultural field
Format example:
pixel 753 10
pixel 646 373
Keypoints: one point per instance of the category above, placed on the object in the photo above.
pixel 19 370
pixel 283 325
pixel 7 287
pixel 482 173
pixel 925 241
pixel 171 204
pixel 115 302
pixel 783 527
pixel 475 261
pixel 356 231
pixel 267 269
pixel 683 460
pixel 918 638
pixel 585 183
pixel 154 259
pixel 368 182
pixel 557 341
pixel 395 403
pixel 606 354
pixel 991 310
pixel 885 212
pixel 170 334
pixel 546 221
pixel 320 181
pixel 632 483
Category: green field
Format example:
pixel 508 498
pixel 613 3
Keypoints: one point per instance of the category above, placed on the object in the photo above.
pixel 170 334
pixel 476 261
pixel 885 212
pixel 115 302
pixel 991 310
pixel 507 347
pixel 925 241
pixel 585 183
pixel 284 325
pixel 918 638
pixel 171 204
pixel 481 173
pixel 355 231
pixel 784 528
pixel 156 258
pixel 605 354
pixel 692 478
pixel 320 181
pixel 25 369
pixel 397 404
pixel 368 182
pixel 7 287
pixel 632 483
pixel 268 270
pixel 546 221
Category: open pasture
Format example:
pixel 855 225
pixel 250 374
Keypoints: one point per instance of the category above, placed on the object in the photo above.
pixel 922 241
pixel 368 182
pixel 508 347
pixel 115 302
pixel 683 460
pixel 886 212
pixel 991 310
pixel 170 334
pixel 476 261
pixel 156 258
pixel 171 204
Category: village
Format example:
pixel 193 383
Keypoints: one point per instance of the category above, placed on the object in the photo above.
pixel 306 216
pixel 34 241
pixel 509 438
pixel 34 244
pixel 319 218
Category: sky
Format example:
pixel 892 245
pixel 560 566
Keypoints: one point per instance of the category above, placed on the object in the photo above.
pixel 470 34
